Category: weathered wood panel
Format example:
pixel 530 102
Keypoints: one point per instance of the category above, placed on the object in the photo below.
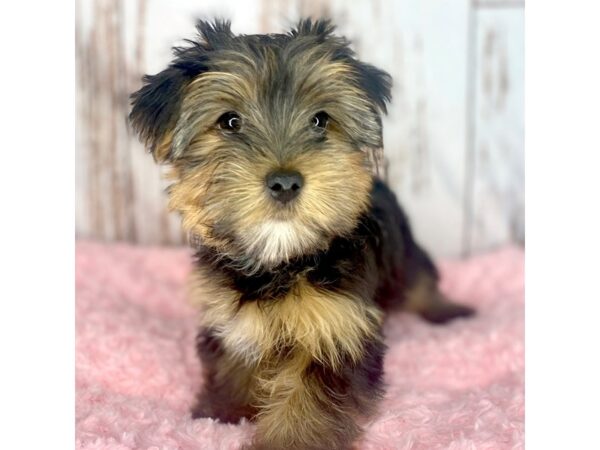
pixel 424 44
pixel 497 183
pixel 500 4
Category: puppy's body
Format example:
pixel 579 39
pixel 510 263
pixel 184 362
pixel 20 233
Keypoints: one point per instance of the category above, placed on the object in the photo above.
pixel 301 345
pixel 299 249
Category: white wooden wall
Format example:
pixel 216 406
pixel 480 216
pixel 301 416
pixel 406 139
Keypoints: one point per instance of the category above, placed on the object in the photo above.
pixel 453 136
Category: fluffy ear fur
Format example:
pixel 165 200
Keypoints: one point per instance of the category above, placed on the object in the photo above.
pixel 155 107
pixel 376 83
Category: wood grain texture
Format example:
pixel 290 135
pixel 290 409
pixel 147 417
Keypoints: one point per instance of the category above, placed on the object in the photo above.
pixel 497 182
pixel 424 44
pixel 104 168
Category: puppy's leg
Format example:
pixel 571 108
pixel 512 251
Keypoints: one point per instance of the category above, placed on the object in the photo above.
pixel 424 298
pixel 309 406
pixel 407 264
pixel 227 383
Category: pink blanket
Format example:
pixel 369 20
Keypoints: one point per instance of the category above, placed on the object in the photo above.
pixel 458 386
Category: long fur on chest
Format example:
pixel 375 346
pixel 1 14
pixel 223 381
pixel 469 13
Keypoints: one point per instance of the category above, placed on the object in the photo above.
pixel 322 305
pixel 328 326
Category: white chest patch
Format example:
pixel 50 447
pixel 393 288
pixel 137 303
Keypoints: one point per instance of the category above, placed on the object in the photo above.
pixel 278 241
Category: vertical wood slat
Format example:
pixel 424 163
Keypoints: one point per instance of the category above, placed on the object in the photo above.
pixel 104 163
pixel 423 45
pixel 495 210
pixel 119 190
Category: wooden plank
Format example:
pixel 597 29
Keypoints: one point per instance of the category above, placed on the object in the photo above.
pixel 498 150
pixel 499 4
pixel 104 190
pixel 426 146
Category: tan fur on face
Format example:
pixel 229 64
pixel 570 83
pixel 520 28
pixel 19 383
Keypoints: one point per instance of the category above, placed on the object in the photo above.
pixel 229 187
pixel 219 178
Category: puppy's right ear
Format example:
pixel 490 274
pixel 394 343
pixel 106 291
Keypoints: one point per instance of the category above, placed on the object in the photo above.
pixel 155 109
pixel 156 106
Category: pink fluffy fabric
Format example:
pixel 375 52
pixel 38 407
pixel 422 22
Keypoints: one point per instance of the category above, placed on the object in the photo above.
pixel 457 386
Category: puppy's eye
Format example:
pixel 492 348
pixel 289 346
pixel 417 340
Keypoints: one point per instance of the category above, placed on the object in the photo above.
pixel 320 119
pixel 230 121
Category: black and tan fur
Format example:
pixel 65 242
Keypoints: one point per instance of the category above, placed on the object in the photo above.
pixel 292 295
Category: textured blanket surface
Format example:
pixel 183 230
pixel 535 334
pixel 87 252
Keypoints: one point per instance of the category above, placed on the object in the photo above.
pixel 457 386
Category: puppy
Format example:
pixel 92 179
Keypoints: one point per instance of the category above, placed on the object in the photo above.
pixel 299 248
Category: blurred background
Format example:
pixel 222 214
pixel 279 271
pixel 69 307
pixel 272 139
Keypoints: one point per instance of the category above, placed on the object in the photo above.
pixel 453 136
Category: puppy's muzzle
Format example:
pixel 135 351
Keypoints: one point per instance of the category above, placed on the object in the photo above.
pixel 284 185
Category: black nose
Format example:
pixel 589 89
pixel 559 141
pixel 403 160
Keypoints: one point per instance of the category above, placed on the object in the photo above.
pixel 284 185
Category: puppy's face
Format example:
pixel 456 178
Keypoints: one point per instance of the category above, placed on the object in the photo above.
pixel 268 138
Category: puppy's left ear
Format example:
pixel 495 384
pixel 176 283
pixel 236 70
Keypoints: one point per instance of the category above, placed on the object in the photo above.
pixel 375 86
pixel 376 83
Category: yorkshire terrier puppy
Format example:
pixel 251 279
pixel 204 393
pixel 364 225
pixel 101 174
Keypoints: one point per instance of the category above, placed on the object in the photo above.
pixel 299 248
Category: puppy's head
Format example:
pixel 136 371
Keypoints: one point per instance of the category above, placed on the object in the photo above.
pixel 268 138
